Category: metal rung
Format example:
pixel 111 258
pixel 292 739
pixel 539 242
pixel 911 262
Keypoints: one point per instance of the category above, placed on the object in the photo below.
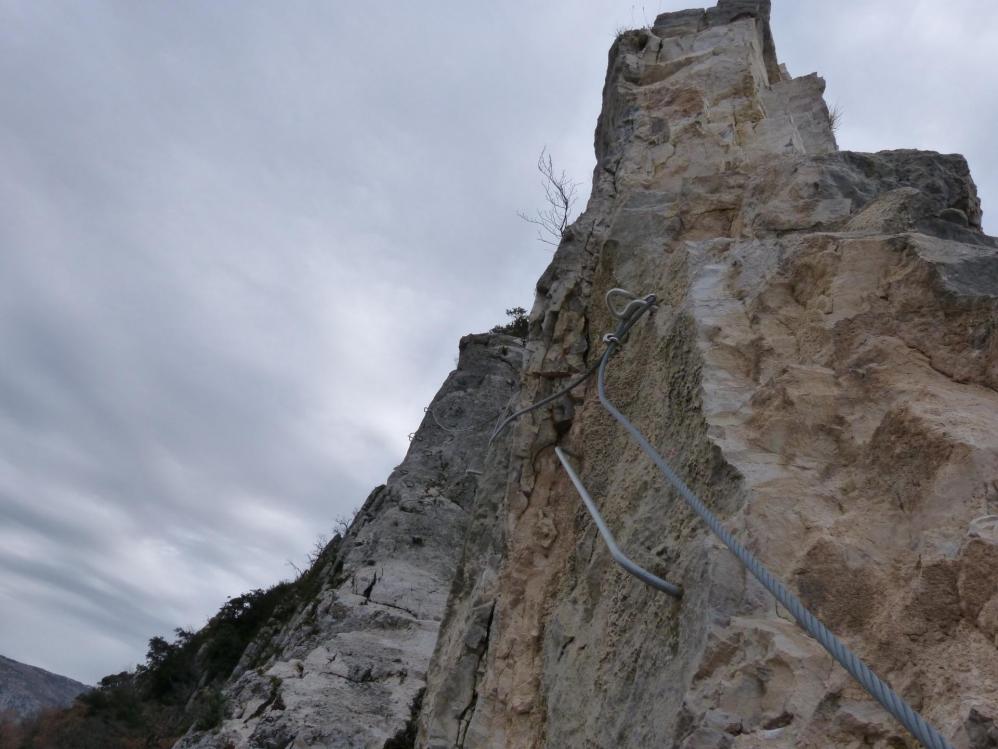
pixel 618 556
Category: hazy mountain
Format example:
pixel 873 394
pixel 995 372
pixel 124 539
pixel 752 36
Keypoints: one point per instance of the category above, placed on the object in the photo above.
pixel 25 690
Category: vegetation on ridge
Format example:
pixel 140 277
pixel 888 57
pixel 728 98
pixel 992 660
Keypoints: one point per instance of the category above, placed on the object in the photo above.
pixel 518 324
pixel 179 685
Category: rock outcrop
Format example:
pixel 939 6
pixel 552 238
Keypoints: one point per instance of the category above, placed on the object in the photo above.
pixel 822 370
pixel 27 690
pixel 348 669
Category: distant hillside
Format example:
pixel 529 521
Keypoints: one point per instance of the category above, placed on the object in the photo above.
pixel 26 690
pixel 179 686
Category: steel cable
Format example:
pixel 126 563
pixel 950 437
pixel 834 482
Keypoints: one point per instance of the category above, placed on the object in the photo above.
pixel 878 689
pixel 634 309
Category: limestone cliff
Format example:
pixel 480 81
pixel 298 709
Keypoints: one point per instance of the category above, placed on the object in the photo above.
pixel 822 369
pixel 348 667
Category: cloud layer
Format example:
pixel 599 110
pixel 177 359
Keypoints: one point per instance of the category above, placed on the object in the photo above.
pixel 239 242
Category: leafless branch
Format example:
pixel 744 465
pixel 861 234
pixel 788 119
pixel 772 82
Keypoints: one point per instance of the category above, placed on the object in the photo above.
pixel 343 522
pixel 835 117
pixel 317 548
pixel 559 194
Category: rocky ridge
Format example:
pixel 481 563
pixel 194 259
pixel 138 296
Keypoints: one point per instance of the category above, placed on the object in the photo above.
pixel 822 370
pixel 26 690
pixel 348 667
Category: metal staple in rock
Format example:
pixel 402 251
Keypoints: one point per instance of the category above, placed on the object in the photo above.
pixel 627 319
pixel 904 713
pixel 543 401
pixel 618 556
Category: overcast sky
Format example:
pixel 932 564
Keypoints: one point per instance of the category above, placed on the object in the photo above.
pixel 239 242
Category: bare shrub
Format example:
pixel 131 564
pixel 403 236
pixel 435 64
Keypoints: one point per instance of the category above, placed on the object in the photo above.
pixel 559 195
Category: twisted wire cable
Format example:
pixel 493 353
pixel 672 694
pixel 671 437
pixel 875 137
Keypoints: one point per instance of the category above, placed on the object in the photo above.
pixel 904 713
pixel 628 317
pixel 544 401
pixel 635 308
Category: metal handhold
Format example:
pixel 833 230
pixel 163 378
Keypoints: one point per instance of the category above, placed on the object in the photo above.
pixel 618 556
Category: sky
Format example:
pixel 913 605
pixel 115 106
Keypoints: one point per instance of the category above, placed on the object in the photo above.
pixel 239 242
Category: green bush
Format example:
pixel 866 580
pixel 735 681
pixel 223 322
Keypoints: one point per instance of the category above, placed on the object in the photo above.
pixel 209 710
pixel 518 324
pixel 148 706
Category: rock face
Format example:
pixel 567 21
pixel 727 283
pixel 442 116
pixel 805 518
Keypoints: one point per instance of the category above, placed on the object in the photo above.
pixel 26 690
pixel 346 670
pixel 822 370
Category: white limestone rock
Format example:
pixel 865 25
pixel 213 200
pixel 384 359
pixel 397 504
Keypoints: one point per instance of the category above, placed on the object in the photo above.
pixel 346 669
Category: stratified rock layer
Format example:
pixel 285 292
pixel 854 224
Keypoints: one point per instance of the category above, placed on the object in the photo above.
pixel 345 671
pixel 822 370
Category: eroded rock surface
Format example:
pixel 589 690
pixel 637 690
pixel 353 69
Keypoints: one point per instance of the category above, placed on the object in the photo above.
pixel 822 369
pixel 345 671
